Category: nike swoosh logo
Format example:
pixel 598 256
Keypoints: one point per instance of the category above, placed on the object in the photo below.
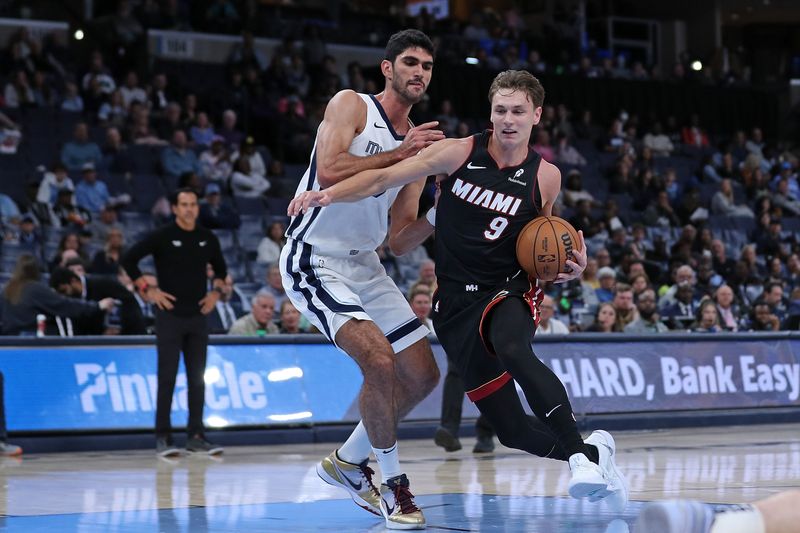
pixel 202 243
pixel 389 510
pixel 470 166
pixel 390 450
pixel 377 125
pixel 550 412
pixel 349 481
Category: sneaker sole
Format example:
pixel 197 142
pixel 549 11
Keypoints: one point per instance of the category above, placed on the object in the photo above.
pixel 390 524
pixel 358 500
pixel 169 453
pixel 212 451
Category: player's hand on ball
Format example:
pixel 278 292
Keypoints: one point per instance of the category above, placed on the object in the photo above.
pixel 307 200
pixel 577 264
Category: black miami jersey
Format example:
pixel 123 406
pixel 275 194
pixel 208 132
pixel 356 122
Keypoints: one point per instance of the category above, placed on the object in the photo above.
pixel 481 211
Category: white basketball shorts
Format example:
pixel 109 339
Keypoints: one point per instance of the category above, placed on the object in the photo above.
pixel 331 289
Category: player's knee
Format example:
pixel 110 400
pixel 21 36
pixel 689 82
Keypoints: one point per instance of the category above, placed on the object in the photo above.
pixel 512 350
pixel 378 365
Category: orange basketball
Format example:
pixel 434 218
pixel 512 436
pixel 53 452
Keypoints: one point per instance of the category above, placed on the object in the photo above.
pixel 544 245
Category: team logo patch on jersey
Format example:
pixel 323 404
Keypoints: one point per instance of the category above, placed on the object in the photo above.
pixel 373 148
pixel 176 244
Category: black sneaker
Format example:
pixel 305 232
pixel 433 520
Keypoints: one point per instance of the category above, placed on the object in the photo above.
pixel 199 444
pixel 165 448
pixel 484 444
pixel 444 438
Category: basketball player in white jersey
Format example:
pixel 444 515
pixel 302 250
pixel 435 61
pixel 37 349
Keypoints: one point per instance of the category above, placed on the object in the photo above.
pixel 332 273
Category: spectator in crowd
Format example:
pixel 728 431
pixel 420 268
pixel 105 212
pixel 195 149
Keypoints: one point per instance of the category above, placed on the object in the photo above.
pixel 18 92
pixel 607 278
pixel 9 211
pixel 543 147
pixel 773 297
pixel 25 296
pixel 274 286
pixel 793 271
pixel 661 213
pixel 113 112
pixel 605 320
pixel 67 214
pixel 177 158
pixel 247 150
pixel 72 101
pixel 215 162
pixel 259 321
pixel 99 74
pixel 245 54
pixel 723 202
pixel 290 319
pixel 269 249
pixel 229 133
pixel 159 93
pixel 681 313
pixel 131 91
pixel 784 199
pixel 792 320
pixel 659 143
pixel 583 220
pixel 52 182
pixel 727 310
pixel 693 135
pixel 755 145
pixel 721 263
pixel 246 183
pixel 762 319
pixel 90 193
pixel 548 324
pixel 648 321
pixel 639 283
pixel 216 214
pixel 682 274
pixel 566 153
pixel 68 242
pixel 707 319
pixel 107 221
pixel 420 300
pixel 106 261
pixel 29 237
pixel 95 289
pixel 76 153
pixel 202 132
pixel 624 305
pixel 574 191
pixel 170 122
pixel 6 448
pixel 223 316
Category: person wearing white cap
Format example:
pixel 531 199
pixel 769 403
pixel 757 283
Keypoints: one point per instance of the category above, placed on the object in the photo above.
pixel 608 280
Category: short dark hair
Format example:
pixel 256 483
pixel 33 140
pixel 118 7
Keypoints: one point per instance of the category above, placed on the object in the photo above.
pixel 173 198
pixel 62 276
pixel 403 40
pixel 519 80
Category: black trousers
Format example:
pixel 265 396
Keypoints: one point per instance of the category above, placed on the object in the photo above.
pixel 3 435
pixel 176 334
pixel 452 402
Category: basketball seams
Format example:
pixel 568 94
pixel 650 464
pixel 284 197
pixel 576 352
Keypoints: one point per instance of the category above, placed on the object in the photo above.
pixel 557 241
pixel 533 250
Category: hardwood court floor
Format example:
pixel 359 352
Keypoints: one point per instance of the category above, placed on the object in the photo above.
pixel 275 488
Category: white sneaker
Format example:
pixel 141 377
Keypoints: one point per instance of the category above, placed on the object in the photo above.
pixel 675 516
pixel 355 479
pixel 616 493
pixel 587 477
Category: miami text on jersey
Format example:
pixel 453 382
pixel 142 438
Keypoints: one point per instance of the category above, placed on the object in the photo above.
pixel 502 203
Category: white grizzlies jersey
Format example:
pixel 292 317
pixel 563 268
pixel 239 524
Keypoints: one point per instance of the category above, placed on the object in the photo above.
pixel 358 225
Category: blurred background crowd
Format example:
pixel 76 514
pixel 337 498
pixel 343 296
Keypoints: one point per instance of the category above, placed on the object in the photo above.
pixel 683 174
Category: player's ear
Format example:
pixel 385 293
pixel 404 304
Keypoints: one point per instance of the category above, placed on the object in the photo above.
pixel 387 69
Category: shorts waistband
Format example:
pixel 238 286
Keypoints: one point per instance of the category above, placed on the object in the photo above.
pixel 335 252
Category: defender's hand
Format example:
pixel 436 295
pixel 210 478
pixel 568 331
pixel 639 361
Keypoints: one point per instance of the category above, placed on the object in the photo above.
pixel 306 200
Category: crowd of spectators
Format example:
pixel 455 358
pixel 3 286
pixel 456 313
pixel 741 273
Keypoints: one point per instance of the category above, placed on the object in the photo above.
pixel 649 193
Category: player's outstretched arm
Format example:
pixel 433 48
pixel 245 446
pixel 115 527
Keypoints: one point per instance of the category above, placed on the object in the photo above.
pixel 442 157
pixel 345 117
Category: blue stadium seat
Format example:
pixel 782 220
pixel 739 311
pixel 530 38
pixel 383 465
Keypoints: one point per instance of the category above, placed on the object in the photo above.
pixel 146 189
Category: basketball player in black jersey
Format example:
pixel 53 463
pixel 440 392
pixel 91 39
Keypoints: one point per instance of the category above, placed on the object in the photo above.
pixel 486 309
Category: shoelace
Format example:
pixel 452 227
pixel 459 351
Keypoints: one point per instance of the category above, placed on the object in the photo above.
pixel 367 472
pixel 403 497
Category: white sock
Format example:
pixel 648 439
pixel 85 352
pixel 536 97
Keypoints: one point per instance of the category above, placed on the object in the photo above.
pixel 357 447
pixel 389 462
pixel 739 521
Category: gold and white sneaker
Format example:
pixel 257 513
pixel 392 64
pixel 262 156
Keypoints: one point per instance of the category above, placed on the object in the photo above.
pixel 355 479
pixel 398 507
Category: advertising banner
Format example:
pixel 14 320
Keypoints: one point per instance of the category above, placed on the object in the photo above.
pixel 105 387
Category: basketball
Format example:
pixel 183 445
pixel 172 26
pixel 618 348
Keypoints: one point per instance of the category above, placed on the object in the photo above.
pixel 544 245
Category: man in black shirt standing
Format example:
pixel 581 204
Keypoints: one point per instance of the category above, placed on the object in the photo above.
pixel 181 251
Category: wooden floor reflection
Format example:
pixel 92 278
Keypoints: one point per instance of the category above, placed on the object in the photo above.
pixel 275 488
